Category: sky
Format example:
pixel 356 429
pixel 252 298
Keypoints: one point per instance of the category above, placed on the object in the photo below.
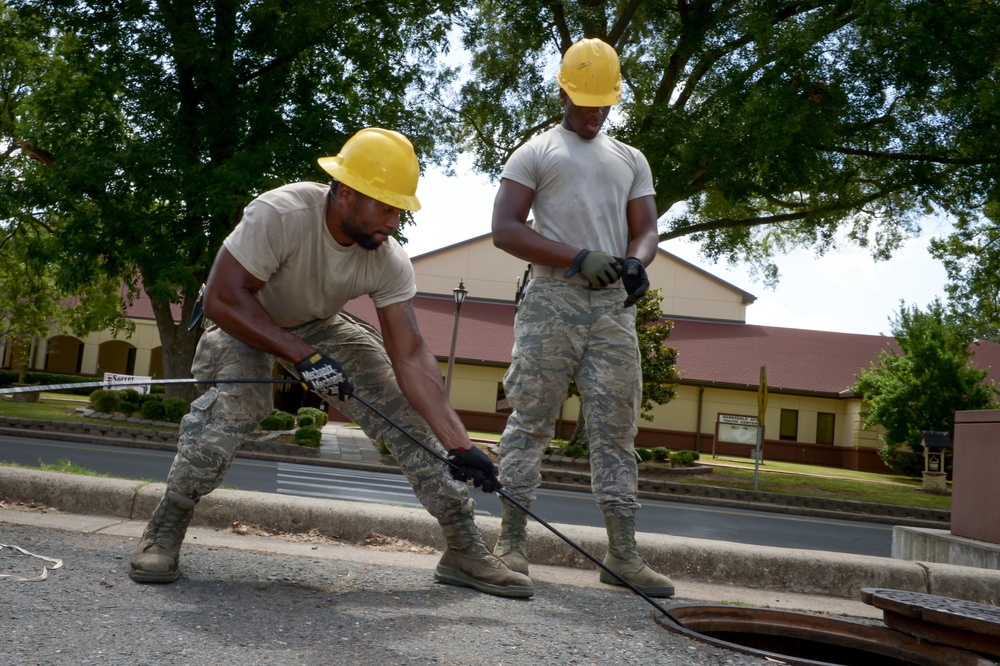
pixel 845 291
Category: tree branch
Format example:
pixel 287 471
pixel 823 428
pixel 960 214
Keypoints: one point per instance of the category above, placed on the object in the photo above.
pixel 735 223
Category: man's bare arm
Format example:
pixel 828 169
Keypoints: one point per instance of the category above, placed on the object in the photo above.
pixel 418 375
pixel 230 302
pixel 512 234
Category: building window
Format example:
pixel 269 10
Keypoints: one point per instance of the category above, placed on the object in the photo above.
pixel 503 407
pixel 824 427
pixel 789 429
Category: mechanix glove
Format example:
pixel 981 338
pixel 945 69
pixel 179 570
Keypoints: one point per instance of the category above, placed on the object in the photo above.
pixel 324 376
pixel 635 281
pixel 600 268
pixel 474 465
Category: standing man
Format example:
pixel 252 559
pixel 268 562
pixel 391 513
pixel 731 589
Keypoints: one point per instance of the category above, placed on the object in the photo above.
pixel 592 198
pixel 275 292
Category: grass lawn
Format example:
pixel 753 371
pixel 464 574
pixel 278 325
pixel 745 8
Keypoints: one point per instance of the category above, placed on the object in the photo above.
pixel 813 481
pixel 50 406
pixel 55 407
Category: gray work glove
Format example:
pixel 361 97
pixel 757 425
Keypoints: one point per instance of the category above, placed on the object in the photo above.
pixel 635 280
pixel 600 268
pixel 474 465
pixel 324 376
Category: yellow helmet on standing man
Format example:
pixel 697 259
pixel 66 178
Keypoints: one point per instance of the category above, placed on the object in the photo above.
pixel 378 163
pixel 591 74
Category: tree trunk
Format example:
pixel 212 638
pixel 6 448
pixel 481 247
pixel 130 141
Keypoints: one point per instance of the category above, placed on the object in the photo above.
pixel 178 347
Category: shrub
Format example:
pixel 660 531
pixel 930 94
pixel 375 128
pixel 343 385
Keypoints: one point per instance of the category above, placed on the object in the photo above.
pixel 901 460
pixel 153 410
pixel 645 455
pixel 130 395
pixel 574 451
pixel 128 408
pixel 305 421
pixel 661 454
pixel 175 409
pixel 94 395
pixel 318 416
pixel 278 420
pixel 106 401
pixel 383 449
pixel 159 389
pixel 681 458
pixel 308 436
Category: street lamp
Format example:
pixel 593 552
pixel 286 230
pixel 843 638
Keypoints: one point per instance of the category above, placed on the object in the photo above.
pixel 460 293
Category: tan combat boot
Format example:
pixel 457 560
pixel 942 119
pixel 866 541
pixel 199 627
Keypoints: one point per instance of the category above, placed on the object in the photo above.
pixel 155 559
pixel 624 559
pixel 512 546
pixel 469 563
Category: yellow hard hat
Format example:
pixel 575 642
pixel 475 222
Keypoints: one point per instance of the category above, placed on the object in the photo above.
pixel 379 163
pixel 591 74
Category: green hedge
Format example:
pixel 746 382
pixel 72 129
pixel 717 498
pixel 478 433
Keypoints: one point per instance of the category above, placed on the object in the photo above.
pixel 311 417
pixel 278 420
pixel 308 436
pixel 150 406
pixel 9 377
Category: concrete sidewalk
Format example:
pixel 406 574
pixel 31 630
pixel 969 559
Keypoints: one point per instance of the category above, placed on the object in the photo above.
pixel 346 443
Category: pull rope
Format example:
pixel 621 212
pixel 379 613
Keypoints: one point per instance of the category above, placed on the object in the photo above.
pixel 55 564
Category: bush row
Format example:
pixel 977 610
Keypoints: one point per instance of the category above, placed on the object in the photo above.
pixel 155 407
pixel 8 377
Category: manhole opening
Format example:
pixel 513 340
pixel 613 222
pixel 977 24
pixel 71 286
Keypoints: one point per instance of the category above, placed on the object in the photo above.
pixel 798 639
pixel 815 652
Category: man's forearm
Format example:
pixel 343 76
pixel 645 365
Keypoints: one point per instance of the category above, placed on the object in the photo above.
pixel 420 383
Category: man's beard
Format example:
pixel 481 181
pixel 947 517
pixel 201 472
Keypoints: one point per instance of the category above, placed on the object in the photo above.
pixel 353 229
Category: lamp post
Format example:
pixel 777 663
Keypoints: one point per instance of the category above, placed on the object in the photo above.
pixel 460 293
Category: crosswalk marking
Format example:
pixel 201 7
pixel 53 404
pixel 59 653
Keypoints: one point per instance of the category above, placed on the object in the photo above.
pixel 352 485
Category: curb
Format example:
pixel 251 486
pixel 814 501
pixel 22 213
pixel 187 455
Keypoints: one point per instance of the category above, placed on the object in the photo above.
pixel 757 567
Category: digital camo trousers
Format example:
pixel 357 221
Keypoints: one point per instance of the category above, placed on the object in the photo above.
pixel 219 420
pixel 564 331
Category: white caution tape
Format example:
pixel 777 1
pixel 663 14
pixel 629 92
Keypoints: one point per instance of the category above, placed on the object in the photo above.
pixel 56 564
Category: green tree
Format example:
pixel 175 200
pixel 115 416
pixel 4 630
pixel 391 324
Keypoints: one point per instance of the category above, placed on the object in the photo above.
pixel 971 258
pixel 33 306
pixel 153 124
pixel 922 387
pixel 659 363
pixel 768 125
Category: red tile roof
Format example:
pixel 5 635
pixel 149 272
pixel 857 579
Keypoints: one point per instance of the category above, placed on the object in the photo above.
pixel 717 353
pixel 485 329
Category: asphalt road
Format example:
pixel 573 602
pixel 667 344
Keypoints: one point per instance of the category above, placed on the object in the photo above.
pixel 679 519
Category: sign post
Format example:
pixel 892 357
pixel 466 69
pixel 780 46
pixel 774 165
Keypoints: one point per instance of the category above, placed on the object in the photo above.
pixel 761 408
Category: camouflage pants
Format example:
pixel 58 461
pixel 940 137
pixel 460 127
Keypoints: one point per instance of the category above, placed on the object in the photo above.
pixel 219 420
pixel 564 331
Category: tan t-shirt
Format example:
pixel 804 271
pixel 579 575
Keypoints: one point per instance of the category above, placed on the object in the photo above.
pixel 582 187
pixel 282 240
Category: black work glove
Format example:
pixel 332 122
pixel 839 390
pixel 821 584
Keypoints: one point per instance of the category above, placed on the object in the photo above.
pixel 600 268
pixel 474 465
pixel 324 376
pixel 635 280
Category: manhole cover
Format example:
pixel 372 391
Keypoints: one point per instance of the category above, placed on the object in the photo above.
pixel 808 640
pixel 965 624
